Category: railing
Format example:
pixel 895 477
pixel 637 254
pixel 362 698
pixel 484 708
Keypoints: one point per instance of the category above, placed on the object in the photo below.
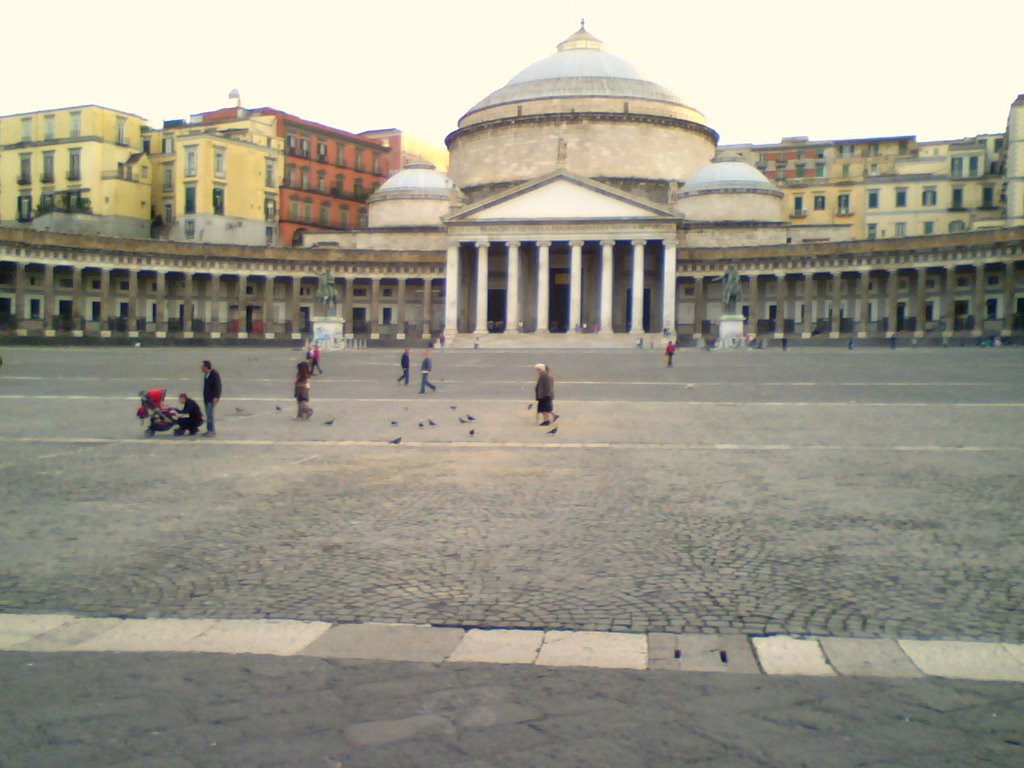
pixel 24 180
pixel 46 178
pixel 74 176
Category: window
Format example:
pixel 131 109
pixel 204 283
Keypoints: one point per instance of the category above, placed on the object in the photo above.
pixel 293 210
pixel 987 197
pixel 26 129
pixel 357 189
pixel 339 184
pixel 307 212
pixel 25 208
pixel 929 227
pixel 321 151
pixel 47 168
pixel 843 204
pixel 122 125
pixel 35 308
pixel 992 281
pixel 25 174
pixel 385 315
pixel 376 164
pixel 362 219
pixel 901 229
pixel 846 169
pixel 289 142
pixel 958 198
pixel 304 144
pixel 76 124
pixel 929 196
pixel 343 217
pixel 270 208
pixel 956 167
pixel 190 229
pixel 972 166
pixel 819 169
pixel 341 154
pixel 305 178
pixel 325 215
pixel 219 162
pixel 321 181
pixel 190 198
pixel 48 127
pixel 167 145
pixel 991 308
pixel 798 205
pixel 168 212
pixel 901 198
pixel 819 202
pixel 872 198
pixel 168 174
pixel 271 174
pixel 218 201
pixel 74 164
pixel 191 161
pixel 359 159
pixel 800 168
pixel 957 226
pixel 872 231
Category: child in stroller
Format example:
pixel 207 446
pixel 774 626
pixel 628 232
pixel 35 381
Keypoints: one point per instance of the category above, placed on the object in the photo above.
pixel 162 418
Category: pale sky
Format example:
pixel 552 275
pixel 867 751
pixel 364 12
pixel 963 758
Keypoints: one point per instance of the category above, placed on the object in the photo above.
pixel 758 70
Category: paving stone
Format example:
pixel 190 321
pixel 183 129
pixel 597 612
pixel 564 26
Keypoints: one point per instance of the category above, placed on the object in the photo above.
pixel 716 653
pixel 498 646
pixel 391 642
pixel 18 628
pixel 148 635
pixel 782 655
pixel 971 661
pixel 610 650
pixel 388 731
pixel 876 658
pixel 272 636
pixel 71 636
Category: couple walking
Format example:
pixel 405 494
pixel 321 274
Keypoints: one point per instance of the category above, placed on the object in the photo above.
pixel 426 366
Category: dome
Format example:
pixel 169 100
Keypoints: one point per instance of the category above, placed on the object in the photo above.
pixel 581 68
pixel 420 179
pixel 728 174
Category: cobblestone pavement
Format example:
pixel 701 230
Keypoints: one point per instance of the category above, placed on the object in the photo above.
pixel 179 710
pixel 868 493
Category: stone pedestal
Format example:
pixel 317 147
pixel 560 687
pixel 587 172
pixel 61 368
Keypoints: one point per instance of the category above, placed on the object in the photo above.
pixel 730 332
pixel 329 333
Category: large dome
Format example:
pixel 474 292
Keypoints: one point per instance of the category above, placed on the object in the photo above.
pixel 728 174
pixel 418 179
pixel 581 67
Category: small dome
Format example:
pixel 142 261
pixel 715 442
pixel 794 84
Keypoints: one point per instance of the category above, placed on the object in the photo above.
pixel 417 178
pixel 727 174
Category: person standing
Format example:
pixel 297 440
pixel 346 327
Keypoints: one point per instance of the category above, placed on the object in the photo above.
pixel 211 396
pixel 670 350
pixel 189 417
pixel 405 368
pixel 302 388
pixel 426 366
pixel 314 360
pixel 544 391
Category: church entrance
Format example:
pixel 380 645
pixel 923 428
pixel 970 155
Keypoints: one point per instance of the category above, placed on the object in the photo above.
pixel 496 299
pixel 646 312
pixel 558 301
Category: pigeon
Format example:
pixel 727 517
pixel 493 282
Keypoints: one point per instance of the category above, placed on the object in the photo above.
pixel 328 422
pixel 453 407
pixel 470 418
pixel 553 431
pixel 396 441
pixel 462 420
pixel 421 425
pixel 277 407
pixel 239 410
pixel 472 432
pixel 431 422
pixel 394 423
pixel 529 406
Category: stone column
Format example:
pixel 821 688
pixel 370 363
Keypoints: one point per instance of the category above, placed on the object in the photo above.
pixel 512 311
pixel 979 299
pixel 20 284
pixel 105 298
pixel 668 287
pixel 188 310
pixel 864 280
pixel 755 304
pixel 1009 293
pixel 451 292
pixel 636 324
pixel 294 306
pixel 243 302
pixel 781 297
pixel 374 313
pixel 543 276
pixel 699 306
pixel 837 304
pixel 426 333
pixel 482 273
pixel 350 302
pixel 77 303
pixel 575 285
pixel 921 294
pixel 401 307
pixel 161 301
pixel 49 297
pixel 892 285
pixel 808 304
pixel 949 300
pixel 133 301
pixel 607 277
pixel 213 299
pixel 268 306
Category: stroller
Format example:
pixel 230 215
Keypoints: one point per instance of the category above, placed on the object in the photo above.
pixel 161 418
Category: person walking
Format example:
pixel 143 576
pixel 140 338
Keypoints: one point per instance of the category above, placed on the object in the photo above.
pixel 302 388
pixel 211 396
pixel 426 366
pixel 405 368
pixel 314 360
pixel 670 350
pixel 189 416
pixel 544 391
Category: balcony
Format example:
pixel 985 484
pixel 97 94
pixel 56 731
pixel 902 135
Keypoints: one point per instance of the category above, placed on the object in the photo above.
pixel 24 180
pixel 46 178
pixel 74 176
pixel 801 214
pixel 844 212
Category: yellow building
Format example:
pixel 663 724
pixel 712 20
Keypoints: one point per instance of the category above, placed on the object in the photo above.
pixel 217 183
pixel 78 170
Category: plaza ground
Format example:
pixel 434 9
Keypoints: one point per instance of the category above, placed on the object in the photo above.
pixel 869 494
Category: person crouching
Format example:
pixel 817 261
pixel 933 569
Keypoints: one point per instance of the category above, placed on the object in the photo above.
pixel 190 417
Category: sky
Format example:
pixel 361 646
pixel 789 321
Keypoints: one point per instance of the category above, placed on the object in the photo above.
pixel 758 70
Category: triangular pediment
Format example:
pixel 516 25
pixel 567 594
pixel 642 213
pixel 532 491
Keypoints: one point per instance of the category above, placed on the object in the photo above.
pixel 561 196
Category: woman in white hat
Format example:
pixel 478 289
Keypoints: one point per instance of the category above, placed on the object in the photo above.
pixel 545 393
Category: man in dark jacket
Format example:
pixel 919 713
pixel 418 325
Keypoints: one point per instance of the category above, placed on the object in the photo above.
pixel 190 419
pixel 211 396
pixel 425 368
pixel 405 368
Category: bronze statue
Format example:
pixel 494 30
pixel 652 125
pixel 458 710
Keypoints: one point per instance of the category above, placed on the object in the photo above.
pixel 327 293
pixel 731 293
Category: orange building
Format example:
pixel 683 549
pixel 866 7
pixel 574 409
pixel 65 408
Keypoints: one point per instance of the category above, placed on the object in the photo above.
pixel 328 174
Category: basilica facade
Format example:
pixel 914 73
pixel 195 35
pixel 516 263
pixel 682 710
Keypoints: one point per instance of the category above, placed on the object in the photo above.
pixel 581 198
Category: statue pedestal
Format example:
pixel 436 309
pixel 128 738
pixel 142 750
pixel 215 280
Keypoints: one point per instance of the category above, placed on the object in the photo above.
pixel 329 332
pixel 730 332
